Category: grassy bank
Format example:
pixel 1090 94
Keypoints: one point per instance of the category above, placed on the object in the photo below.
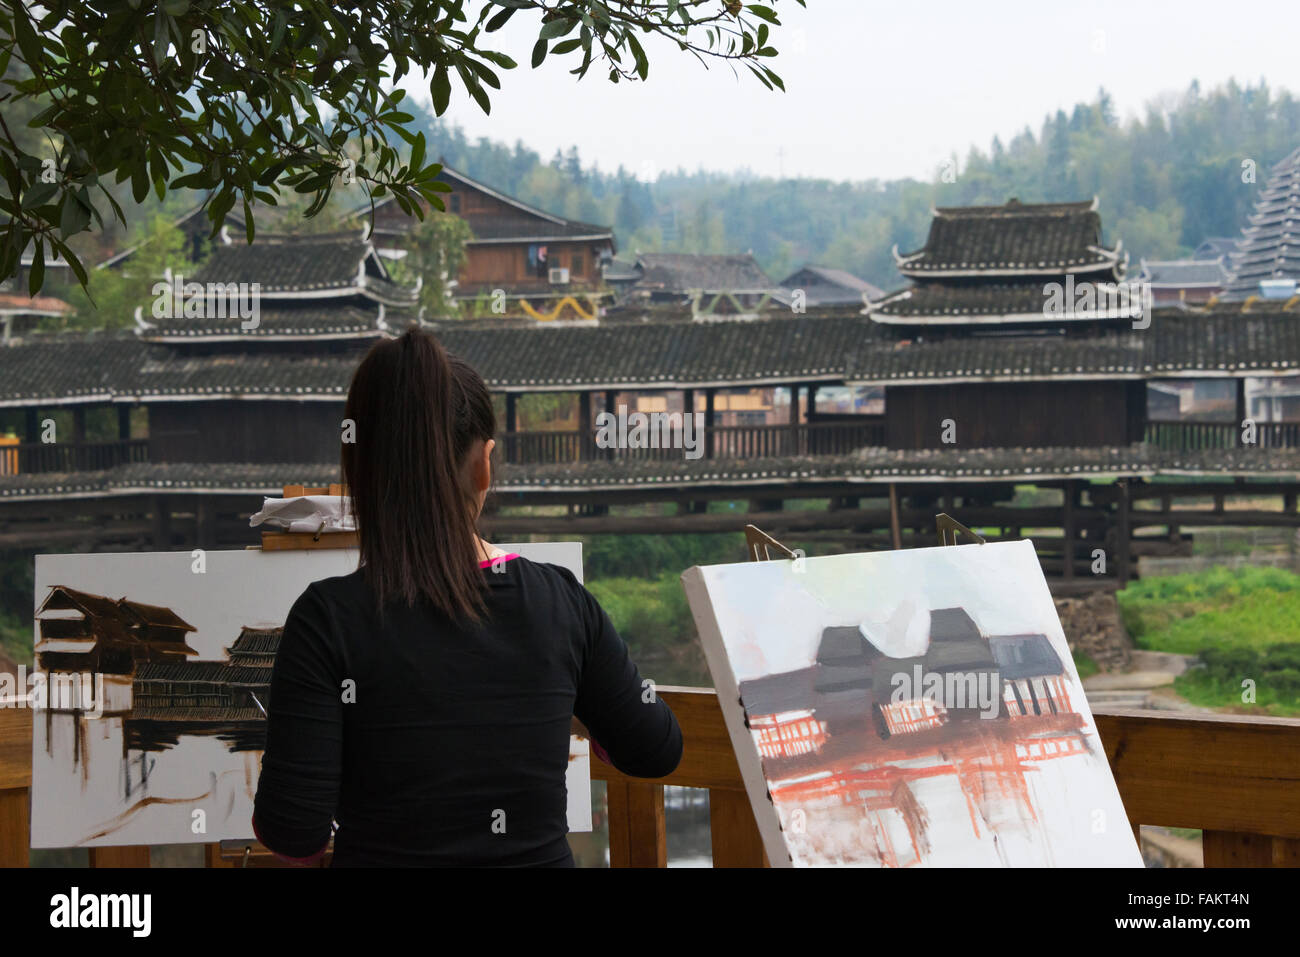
pixel 1243 623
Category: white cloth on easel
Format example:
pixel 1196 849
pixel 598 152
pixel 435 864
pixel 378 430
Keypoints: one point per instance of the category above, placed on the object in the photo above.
pixel 306 513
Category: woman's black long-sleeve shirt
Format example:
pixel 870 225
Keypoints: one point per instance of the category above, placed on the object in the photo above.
pixel 437 743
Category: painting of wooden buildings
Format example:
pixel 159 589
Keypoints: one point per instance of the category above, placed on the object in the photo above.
pixel 152 681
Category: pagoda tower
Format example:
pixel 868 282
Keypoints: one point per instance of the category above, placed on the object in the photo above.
pixel 1269 248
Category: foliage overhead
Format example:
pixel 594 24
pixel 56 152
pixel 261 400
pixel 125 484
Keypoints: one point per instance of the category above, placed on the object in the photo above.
pixel 244 99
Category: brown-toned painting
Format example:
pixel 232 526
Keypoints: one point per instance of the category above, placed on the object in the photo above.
pixel 152 680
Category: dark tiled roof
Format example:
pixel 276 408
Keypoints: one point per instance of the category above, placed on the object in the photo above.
pixel 1215 247
pixel 325 320
pixel 1017 238
pixel 531 229
pixel 655 355
pixel 1176 344
pixel 72 366
pixel 937 303
pixel 688 272
pixel 527 224
pixel 822 285
pixel 1223 340
pixel 1113 353
pixel 341 263
pixel 293 265
pixel 100 367
pixel 1183 272
pixel 872 465
pixel 167 372
pixel 1270 247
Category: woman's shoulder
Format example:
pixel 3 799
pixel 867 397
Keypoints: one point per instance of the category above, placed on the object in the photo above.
pixel 557 575
pixel 338 589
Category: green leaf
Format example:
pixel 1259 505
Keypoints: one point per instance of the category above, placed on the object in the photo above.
pixel 556 28
pixel 642 64
pixel 539 53
pixel 440 89
pixel 74 217
pixel 500 20
pixel 417 152
pixel 39 194
pixel 37 275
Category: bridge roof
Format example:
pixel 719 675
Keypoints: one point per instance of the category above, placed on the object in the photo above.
pixel 86 368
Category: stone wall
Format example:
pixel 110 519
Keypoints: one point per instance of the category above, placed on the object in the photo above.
pixel 1093 626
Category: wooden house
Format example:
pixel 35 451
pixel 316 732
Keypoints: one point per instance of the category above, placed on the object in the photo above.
pixel 544 265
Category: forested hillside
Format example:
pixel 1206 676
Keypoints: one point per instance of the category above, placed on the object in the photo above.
pixel 1165 180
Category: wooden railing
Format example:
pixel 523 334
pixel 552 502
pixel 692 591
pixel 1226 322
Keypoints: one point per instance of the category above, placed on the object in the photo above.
pixel 1190 436
pixel 35 457
pixel 718 442
pixel 1236 778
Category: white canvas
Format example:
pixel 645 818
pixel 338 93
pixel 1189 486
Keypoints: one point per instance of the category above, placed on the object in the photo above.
pixel 88 790
pixel 851 753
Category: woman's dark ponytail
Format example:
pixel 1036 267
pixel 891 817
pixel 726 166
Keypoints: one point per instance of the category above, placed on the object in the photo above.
pixel 416 414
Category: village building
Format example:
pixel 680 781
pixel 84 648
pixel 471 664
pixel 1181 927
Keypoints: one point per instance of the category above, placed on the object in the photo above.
pixel 1178 281
pixel 539 264
pixel 1266 262
pixel 823 286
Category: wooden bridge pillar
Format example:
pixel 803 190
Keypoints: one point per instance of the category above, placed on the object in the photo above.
pixel 1241 409
pixel 1123 532
pixel 708 422
pixel 586 438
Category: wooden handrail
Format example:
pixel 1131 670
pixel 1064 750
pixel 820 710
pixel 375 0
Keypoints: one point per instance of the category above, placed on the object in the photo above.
pixel 1235 777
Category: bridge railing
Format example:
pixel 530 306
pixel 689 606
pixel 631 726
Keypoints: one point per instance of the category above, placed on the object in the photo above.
pixel 717 442
pixel 1190 436
pixel 27 458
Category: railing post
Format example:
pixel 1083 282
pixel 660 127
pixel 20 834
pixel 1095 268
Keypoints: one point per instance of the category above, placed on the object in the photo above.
pixel 638 835
pixel 736 842
pixel 511 426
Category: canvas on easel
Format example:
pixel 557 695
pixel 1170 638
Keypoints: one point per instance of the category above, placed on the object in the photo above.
pixel 909 708
pixel 149 731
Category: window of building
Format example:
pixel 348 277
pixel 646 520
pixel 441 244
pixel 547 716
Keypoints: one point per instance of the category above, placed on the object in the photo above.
pixel 453 202
pixel 575 264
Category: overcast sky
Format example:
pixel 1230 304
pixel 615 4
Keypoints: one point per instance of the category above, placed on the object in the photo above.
pixel 885 89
